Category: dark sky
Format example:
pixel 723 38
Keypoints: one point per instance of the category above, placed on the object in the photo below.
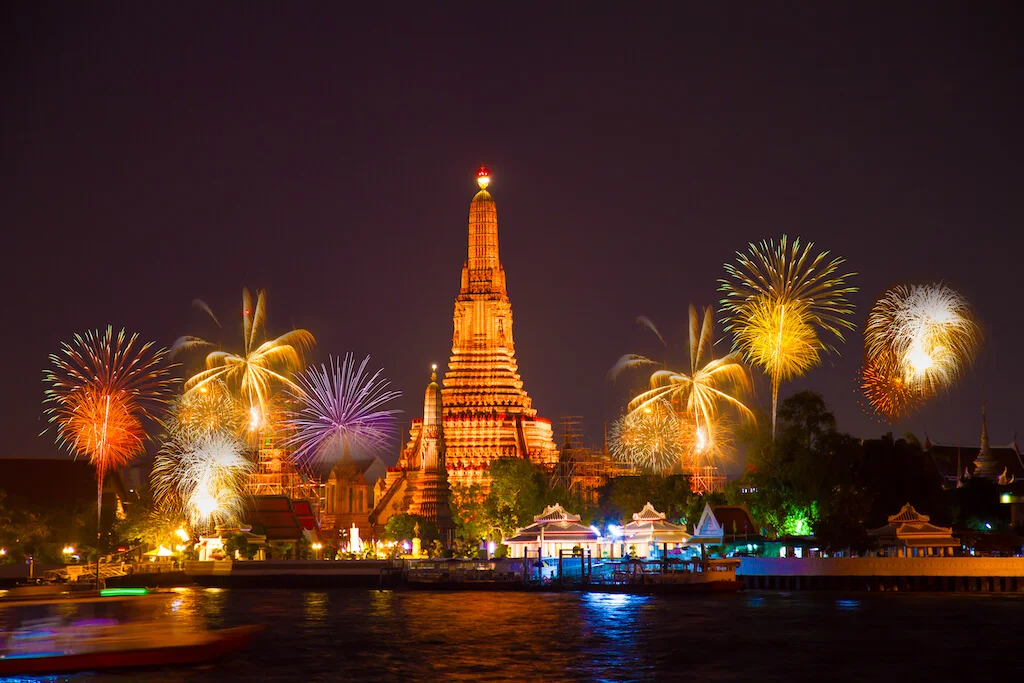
pixel 157 154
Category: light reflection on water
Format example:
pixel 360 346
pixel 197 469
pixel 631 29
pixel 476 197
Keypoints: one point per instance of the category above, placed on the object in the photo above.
pixel 422 636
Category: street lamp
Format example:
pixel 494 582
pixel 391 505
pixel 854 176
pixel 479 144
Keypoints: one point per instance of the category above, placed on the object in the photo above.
pixel 68 552
pixel 317 546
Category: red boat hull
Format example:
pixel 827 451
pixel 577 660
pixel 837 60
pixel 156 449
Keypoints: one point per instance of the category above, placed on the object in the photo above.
pixel 224 643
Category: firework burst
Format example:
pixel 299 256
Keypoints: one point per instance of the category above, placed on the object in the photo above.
pixel 711 384
pixel 211 408
pixel 917 342
pixel 340 411
pixel 202 477
pixel 652 438
pixel 776 300
pixel 887 394
pixel 101 389
pixel 261 365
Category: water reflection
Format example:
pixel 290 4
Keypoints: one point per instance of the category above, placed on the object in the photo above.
pixel 423 636
pixel 315 605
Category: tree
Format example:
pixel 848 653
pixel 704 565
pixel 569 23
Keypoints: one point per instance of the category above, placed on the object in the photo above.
pixel 402 527
pixel 468 513
pixel 145 525
pixel 623 496
pixel 517 494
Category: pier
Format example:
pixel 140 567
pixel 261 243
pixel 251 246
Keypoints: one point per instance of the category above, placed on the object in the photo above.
pixel 946 574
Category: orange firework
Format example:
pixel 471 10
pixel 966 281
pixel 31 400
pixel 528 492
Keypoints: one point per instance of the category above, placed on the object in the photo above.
pixel 102 387
pixel 887 393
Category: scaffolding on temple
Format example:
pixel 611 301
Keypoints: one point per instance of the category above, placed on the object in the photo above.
pixel 706 479
pixel 582 471
pixel 276 475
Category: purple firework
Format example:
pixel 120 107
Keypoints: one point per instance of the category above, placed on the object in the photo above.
pixel 340 413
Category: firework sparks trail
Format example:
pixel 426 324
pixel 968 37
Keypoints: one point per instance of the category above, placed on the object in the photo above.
pixel 101 388
pixel 776 300
pixel 341 411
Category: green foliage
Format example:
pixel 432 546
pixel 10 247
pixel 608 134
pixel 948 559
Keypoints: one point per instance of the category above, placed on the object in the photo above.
pixel 26 530
pixel 816 479
pixel 518 492
pixel 623 496
pixel 402 527
pixel 240 542
pixel 468 513
pixel 146 526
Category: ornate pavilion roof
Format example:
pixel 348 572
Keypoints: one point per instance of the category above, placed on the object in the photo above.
pixel 558 526
pixel 908 514
pixel 649 526
pixel 912 528
pixel 648 514
pixel 708 528
pixel 556 513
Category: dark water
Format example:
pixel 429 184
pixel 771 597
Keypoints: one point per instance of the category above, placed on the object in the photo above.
pixel 387 636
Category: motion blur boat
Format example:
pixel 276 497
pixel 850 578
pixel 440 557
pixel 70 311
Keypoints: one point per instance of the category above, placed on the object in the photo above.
pixel 111 629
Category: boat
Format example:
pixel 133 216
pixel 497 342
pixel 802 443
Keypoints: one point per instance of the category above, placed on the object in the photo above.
pixel 111 629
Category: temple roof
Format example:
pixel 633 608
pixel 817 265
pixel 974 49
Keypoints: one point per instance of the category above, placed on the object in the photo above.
pixel 555 532
pixel 948 457
pixel 647 514
pixel 908 514
pixel 556 513
pixel 649 526
pixel 736 520
pixel 708 529
pixel 911 527
pixel 1003 465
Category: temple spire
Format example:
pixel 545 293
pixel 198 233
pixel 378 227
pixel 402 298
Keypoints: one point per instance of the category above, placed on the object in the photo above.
pixel 485 273
pixel 985 465
pixel 984 432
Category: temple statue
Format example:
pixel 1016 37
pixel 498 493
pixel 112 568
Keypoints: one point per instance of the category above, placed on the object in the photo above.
pixel 487 413
pixel 418 484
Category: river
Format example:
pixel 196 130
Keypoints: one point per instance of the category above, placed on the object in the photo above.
pixel 763 636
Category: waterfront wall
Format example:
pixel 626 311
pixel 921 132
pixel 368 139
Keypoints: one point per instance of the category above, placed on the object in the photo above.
pixel 883 566
pixel 288 573
pixel 958 574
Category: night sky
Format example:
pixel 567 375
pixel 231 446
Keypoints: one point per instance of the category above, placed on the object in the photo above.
pixel 153 155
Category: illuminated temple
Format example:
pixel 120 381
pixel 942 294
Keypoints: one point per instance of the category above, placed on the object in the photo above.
pixel 487 413
pixel 418 484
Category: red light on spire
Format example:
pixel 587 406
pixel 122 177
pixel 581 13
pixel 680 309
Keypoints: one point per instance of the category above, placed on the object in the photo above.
pixel 483 177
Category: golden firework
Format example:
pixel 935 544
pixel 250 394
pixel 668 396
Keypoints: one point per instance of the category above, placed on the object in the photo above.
pixel 652 438
pixel 701 394
pixel 210 408
pixel 777 299
pixel 261 363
